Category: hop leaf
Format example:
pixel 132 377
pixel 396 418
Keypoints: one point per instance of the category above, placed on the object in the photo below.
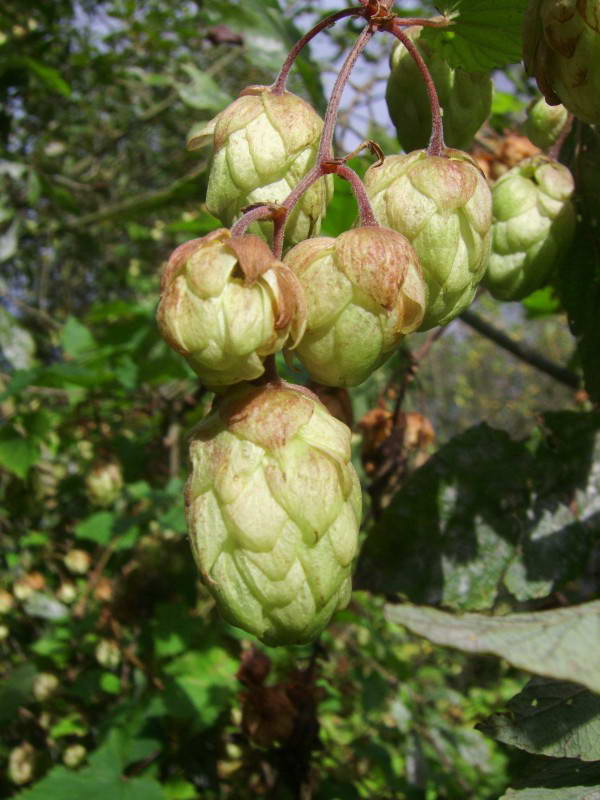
pixel 273 506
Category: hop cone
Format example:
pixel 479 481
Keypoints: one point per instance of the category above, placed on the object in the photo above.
pixel 273 508
pixel 534 221
pixel 444 208
pixel 466 97
pixel 364 291
pixel 561 48
pixel 263 145
pixel 545 123
pixel 226 303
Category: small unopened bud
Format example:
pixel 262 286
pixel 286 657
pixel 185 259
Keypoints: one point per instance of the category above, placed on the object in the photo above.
pixel 104 483
pixel 77 561
pixel 21 764
pixel 74 755
pixel 45 685
pixel 108 654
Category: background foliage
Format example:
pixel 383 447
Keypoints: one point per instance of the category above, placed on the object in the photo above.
pixel 119 679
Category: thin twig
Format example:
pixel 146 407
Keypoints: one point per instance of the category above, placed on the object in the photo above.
pixel 520 350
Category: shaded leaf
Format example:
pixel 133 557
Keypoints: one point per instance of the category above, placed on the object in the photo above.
pixel 550 718
pixel 75 338
pixel 50 76
pixel 16 691
pixel 202 91
pixel 92 784
pixel 563 644
pixel 96 528
pixel 16 343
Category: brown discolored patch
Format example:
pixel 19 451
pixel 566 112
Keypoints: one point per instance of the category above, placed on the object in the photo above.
pixel 254 256
pixel 267 415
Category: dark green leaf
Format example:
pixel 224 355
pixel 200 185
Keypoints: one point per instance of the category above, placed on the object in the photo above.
pixel 49 75
pixel 550 718
pixel 473 40
pixel 96 528
pixel 17 454
pixel 16 691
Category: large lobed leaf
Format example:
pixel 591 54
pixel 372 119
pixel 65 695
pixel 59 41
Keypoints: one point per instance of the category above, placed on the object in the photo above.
pixel 563 643
pixel 487 513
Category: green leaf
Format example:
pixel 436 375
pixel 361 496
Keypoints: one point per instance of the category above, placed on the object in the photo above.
pixel 96 528
pixel 76 339
pixel 9 241
pixel 578 279
pixel 16 691
pixel 17 454
pixel 485 511
pixel 484 34
pixel 71 725
pixel 558 779
pixel 109 683
pixel 49 76
pixel 563 643
pixel 202 91
pixel 201 685
pixel 550 718
pixel 92 784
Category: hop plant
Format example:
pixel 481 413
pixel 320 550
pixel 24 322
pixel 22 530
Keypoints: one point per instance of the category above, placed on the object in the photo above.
pixel 545 123
pixel 227 303
pixel 273 507
pixel 466 97
pixel 561 48
pixel 443 205
pixel 263 145
pixel 534 222
pixel 364 291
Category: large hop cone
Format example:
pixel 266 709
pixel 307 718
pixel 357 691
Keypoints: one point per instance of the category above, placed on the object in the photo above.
pixel 263 145
pixel 561 48
pixel 273 508
pixel 534 221
pixel 227 303
pixel 443 206
pixel 364 291
pixel 466 97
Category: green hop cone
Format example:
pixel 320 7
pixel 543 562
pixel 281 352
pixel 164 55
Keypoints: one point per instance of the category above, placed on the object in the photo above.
pixel 273 506
pixel 534 221
pixel 466 97
pixel 364 291
pixel 263 145
pixel 561 48
pixel 227 303
pixel 544 123
pixel 443 206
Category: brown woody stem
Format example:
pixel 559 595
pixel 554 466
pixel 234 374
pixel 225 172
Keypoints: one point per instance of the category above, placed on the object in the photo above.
pixel 436 143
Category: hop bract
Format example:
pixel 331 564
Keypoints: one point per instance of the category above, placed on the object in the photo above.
pixel 226 303
pixel 466 97
pixel 263 145
pixel 545 123
pixel 273 508
pixel 364 290
pixel 534 221
pixel 561 48
pixel 444 208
